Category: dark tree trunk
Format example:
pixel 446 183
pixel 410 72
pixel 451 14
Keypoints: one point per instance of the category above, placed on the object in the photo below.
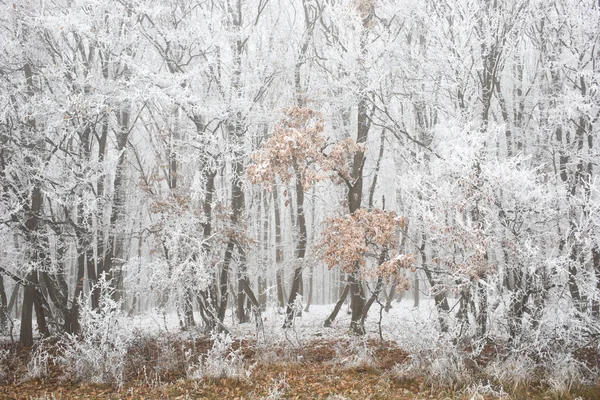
pixel 38 306
pixel 30 295
pixel 482 313
pixel 262 280
pixel 354 198
pixel 114 247
pixel 26 333
pixel 188 309
pixel 71 324
pixel 300 253
pixel 391 295
pixel 358 303
pixel 208 300
pixel 224 280
pixel 357 295
pixel 96 269
pixel 242 312
pixel 596 266
pixel 440 299
pixel 369 303
pixel 337 307
pixel 31 230
pixel 237 205
pixel 374 295
pixel 278 251
pixel 235 128
pixel 3 304
pixel 13 300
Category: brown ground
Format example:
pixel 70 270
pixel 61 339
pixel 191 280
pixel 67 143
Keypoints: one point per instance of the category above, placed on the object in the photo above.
pixel 323 369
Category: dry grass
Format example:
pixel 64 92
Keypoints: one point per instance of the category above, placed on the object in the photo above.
pixel 322 369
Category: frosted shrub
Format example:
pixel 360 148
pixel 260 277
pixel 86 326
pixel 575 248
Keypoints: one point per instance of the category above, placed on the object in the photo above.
pixel 516 370
pixel 360 354
pixel 37 367
pixel 46 396
pixel 433 354
pixel 98 354
pixel 277 389
pixel 560 372
pixel 4 363
pixel 480 391
pixel 448 367
pixel 221 361
pixel 548 354
pixel 168 359
pixel 564 372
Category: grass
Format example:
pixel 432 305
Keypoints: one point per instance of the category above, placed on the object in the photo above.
pixel 322 369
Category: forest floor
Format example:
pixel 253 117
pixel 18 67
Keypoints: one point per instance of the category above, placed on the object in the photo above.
pixel 306 362
pixel 318 370
pixel 321 371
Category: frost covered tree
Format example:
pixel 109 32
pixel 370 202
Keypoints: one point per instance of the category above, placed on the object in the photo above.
pixel 69 117
pixel 487 169
pixel 293 153
pixel 130 134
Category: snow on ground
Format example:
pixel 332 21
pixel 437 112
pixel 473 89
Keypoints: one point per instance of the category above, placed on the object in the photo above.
pixel 395 324
pixel 400 321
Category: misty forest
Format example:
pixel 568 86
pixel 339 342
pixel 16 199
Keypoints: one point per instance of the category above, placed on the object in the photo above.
pixel 299 199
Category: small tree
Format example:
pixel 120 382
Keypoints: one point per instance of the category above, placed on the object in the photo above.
pixel 365 243
pixel 293 153
pixel 298 152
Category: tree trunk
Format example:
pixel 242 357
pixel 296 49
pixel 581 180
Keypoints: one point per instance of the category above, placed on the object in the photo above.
pixel 38 306
pixel 357 296
pixel 96 269
pixel 242 313
pixel 378 286
pixel 358 302
pixel 208 300
pixel 13 300
pixel 26 333
pixel 235 127
pixel 310 289
pixel 416 291
pixel 440 299
pixel 31 229
pixel 237 205
pixel 262 280
pixel 337 307
pixel 278 251
pixel 596 266
pixel 224 279
pixel 369 303
pixel 3 305
pixel 483 308
pixel 300 253
pixel 30 298
pixel 188 309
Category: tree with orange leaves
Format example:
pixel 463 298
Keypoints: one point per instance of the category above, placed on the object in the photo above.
pixel 296 152
pixel 365 244
pixel 293 153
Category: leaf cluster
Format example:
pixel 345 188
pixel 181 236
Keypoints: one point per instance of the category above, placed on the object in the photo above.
pixel 297 151
pixel 294 150
pixel 350 241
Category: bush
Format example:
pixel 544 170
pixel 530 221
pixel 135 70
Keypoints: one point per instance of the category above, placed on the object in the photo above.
pixel 221 361
pixel 361 355
pixel 37 367
pixel 5 361
pixel 98 353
